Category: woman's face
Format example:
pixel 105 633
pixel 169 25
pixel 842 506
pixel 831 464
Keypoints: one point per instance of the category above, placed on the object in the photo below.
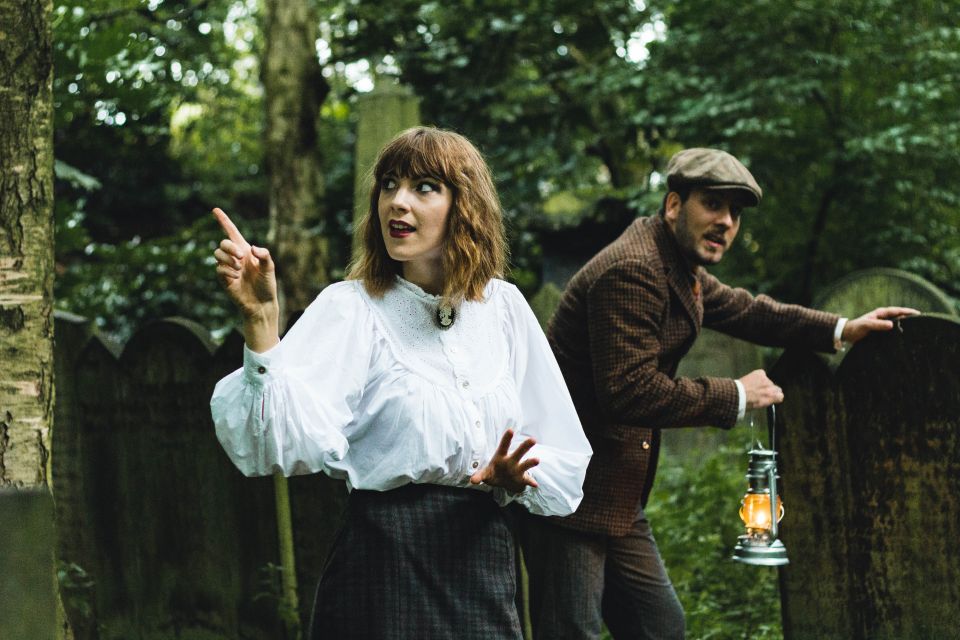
pixel 413 219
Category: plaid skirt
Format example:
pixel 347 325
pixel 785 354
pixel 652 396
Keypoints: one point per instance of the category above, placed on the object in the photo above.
pixel 420 561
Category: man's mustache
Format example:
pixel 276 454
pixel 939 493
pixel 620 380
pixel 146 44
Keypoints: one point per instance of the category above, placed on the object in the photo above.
pixel 717 236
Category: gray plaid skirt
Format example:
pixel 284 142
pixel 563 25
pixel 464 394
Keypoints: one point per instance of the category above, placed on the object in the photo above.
pixel 420 561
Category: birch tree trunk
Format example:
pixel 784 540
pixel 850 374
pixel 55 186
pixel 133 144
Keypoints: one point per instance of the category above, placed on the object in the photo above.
pixel 26 241
pixel 294 90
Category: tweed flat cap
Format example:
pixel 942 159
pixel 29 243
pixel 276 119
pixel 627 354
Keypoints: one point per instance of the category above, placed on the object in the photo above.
pixel 713 169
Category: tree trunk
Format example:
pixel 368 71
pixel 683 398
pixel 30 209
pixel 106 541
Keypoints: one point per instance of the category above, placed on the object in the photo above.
pixel 26 241
pixel 294 90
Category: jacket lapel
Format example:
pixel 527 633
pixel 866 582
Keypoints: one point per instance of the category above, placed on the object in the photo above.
pixel 677 272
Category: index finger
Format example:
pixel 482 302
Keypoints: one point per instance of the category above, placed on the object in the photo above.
pixel 228 227
pixel 893 312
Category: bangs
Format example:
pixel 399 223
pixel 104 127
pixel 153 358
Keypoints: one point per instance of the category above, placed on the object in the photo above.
pixel 420 153
pixel 474 246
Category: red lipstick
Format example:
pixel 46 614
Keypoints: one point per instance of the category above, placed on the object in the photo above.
pixel 400 229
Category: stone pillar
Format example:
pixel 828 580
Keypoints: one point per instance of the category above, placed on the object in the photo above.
pixel 381 115
pixel 27 602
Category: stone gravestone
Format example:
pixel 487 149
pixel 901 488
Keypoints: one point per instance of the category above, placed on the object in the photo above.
pixel 870 460
pixel 163 536
pixel 317 501
pixel 27 601
pixel 74 548
pixel 865 290
pixel 381 114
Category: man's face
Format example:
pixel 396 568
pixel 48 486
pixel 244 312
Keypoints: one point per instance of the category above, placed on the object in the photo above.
pixel 706 224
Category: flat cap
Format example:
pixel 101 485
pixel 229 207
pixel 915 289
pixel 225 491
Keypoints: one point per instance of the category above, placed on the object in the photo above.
pixel 713 169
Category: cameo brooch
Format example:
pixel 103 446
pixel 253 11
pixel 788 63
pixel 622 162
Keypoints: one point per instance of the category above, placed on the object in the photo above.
pixel 446 315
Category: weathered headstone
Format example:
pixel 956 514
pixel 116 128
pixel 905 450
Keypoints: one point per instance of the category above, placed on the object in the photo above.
pixel 870 460
pixel 165 537
pixel 73 546
pixel 863 291
pixel 27 602
pixel 868 289
pixel 381 114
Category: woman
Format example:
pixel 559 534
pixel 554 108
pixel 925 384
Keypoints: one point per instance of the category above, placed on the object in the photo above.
pixel 409 380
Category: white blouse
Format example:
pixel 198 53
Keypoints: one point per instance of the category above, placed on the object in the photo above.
pixel 372 391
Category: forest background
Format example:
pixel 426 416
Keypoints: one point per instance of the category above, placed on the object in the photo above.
pixel 845 111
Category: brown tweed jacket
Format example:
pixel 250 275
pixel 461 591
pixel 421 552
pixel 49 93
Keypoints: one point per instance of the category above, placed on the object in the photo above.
pixel 623 324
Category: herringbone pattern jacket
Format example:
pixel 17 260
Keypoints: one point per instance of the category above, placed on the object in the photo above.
pixel 622 326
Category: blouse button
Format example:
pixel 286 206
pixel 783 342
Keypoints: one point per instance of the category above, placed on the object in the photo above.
pixel 478 424
pixel 475 464
pixel 645 444
pixel 465 384
pixel 261 369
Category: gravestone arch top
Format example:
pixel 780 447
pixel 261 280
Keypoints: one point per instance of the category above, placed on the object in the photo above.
pixel 861 291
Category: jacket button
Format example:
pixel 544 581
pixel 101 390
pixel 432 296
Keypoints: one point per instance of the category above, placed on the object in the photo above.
pixel 645 445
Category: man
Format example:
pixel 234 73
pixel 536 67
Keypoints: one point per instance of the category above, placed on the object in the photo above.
pixel 623 324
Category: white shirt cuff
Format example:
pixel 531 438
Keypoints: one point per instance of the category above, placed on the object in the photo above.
pixel 741 400
pixel 838 334
pixel 258 367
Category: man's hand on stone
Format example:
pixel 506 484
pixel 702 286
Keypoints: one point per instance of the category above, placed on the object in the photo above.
pixel 760 390
pixel 877 320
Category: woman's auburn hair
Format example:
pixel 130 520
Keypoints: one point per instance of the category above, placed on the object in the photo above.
pixel 474 247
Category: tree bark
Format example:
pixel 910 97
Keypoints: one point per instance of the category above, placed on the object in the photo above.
pixel 294 90
pixel 26 241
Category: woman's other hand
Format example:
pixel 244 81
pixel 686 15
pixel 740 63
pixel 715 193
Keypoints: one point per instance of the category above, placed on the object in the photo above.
pixel 508 470
pixel 247 273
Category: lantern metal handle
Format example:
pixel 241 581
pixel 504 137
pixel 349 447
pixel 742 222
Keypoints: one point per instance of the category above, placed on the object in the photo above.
pixel 772 472
pixel 771 426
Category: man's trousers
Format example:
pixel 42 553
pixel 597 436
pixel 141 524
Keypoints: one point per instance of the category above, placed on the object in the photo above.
pixel 579 579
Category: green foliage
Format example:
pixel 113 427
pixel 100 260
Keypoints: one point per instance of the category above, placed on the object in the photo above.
pixel 693 511
pixel 845 112
pixel 124 285
pixel 554 75
pixel 76 590
pixel 157 120
pixel 124 71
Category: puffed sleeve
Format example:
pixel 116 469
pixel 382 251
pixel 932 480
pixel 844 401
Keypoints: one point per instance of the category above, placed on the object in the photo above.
pixel 548 416
pixel 285 409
